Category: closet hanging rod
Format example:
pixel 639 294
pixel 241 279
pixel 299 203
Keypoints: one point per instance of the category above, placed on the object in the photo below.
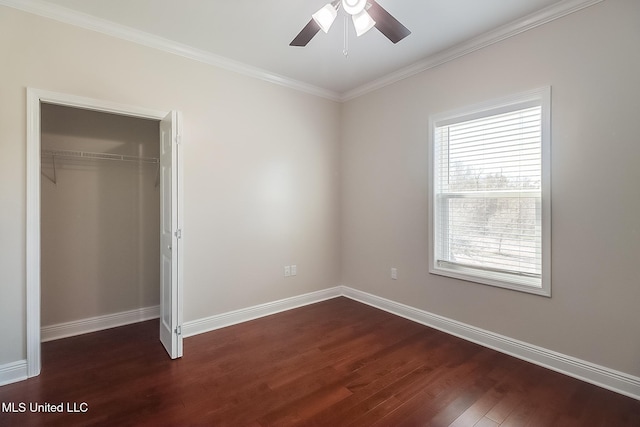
pixel 98 156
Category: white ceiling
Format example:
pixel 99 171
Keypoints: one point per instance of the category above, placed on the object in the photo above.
pixel 257 33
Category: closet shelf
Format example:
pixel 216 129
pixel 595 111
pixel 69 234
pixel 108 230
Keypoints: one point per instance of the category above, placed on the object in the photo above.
pixel 98 156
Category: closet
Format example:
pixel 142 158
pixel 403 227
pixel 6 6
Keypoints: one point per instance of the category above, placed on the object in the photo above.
pixel 100 217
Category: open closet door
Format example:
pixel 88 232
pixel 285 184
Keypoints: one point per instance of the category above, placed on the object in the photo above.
pixel 170 236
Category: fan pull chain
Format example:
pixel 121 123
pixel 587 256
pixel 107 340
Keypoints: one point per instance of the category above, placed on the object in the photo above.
pixel 345 50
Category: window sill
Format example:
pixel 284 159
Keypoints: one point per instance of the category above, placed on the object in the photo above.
pixel 500 280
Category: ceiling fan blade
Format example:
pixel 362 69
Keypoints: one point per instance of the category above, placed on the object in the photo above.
pixel 387 24
pixel 307 33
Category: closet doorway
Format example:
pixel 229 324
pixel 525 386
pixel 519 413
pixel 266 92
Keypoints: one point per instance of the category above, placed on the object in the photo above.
pixel 69 137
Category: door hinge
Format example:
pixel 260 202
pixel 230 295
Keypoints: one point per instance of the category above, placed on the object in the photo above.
pixel 178 233
pixel 178 330
pixel 178 139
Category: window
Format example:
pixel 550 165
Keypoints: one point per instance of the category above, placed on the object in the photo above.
pixel 489 193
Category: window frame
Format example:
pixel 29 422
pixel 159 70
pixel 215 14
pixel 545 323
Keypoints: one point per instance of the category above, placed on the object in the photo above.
pixel 542 97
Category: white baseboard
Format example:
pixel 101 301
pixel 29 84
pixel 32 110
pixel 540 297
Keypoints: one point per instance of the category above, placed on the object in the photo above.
pixel 601 376
pixel 99 323
pixel 13 372
pixel 218 321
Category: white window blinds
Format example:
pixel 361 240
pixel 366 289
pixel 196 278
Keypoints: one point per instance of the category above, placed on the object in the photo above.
pixel 488 189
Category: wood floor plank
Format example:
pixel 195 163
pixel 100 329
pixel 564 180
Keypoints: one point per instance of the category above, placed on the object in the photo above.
pixel 445 388
pixel 376 385
pixel 486 422
pixel 478 409
pixel 335 363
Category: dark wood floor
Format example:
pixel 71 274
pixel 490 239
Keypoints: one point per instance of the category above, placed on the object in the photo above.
pixel 335 363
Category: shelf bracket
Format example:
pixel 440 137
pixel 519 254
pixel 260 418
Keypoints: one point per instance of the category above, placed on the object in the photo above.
pixel 55 178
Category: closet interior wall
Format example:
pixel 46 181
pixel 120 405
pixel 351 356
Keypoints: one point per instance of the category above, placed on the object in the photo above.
pixel 100 245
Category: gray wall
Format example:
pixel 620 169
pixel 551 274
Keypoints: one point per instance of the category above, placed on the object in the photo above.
pixel 268 182
pixel 590 59
pixel 100 221
pixel 260 166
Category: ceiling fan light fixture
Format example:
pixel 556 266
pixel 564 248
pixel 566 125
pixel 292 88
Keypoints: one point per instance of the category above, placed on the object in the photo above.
pixel 354 7
pixel 363 22
pixel 365 14
pixel 325 17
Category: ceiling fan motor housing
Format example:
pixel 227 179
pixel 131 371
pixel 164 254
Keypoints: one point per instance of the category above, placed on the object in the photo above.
pixel 353 7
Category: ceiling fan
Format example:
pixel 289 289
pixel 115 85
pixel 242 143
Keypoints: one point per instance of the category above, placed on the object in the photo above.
pixel 365 14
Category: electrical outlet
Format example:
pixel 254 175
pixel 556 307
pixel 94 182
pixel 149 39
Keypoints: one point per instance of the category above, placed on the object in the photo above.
pixel 287 271
pixel 394 273
pixel 294 270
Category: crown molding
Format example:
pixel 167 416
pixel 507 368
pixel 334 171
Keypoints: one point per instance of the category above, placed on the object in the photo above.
pixel 512 29
pixel 89 22
pixel 86 21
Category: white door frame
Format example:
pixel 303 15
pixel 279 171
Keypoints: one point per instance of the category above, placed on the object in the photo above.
pixel 35 97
